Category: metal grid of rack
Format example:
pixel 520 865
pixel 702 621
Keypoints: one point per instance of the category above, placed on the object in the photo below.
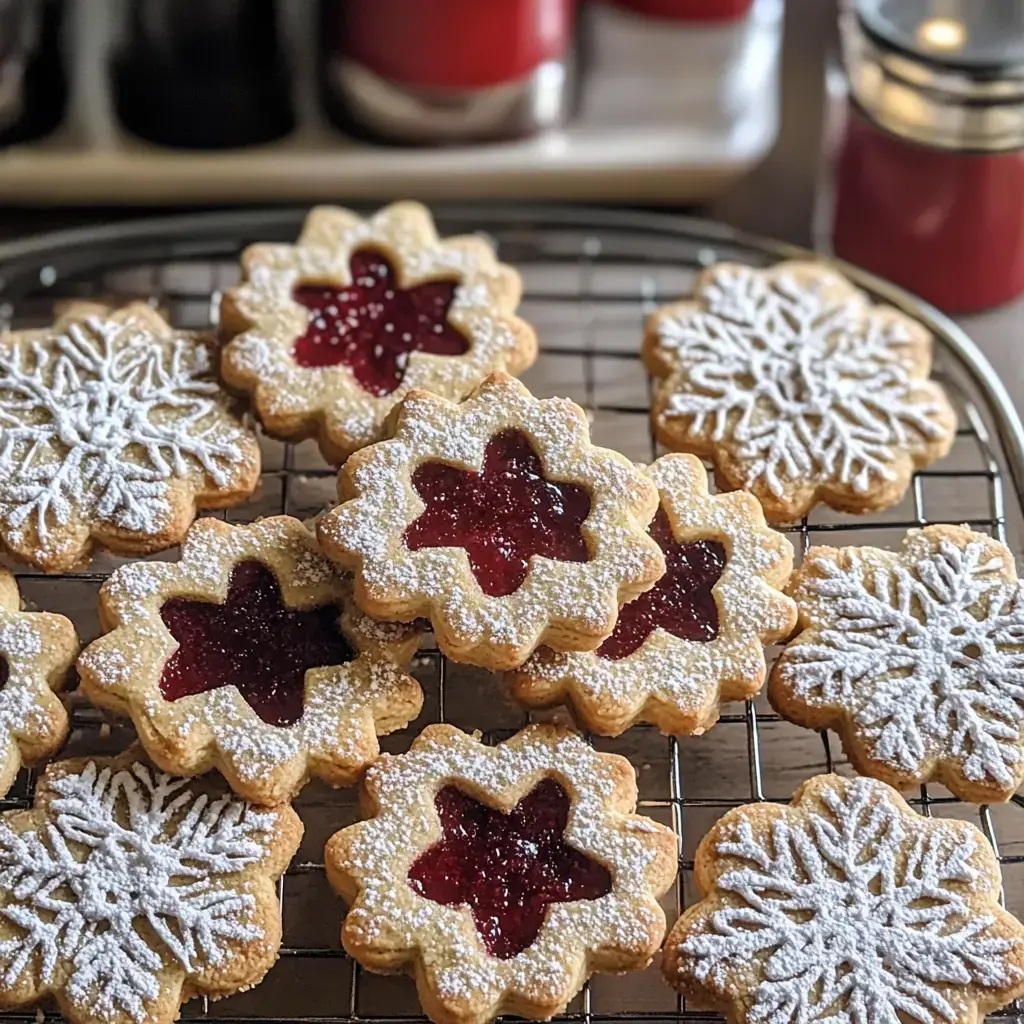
pixel 590 280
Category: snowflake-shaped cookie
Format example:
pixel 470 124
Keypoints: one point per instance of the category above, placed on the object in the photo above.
pixel 124 891
pixel 678 680
pixel 37 650
pixel 915 659
pixel 798 388
pixel 113 428
pixel 248 656
pixel 846 907
pixel 373 295
pixel 381 866
pixel 566 603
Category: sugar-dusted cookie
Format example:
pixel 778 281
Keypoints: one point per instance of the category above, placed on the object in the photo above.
pixel 846 906
pixel 249 657
pixel 798 388
pixel 37 650
pixel 125 892
pixel 113 428
pixel 499 521
pixel 501 877
pixel 329 334
pixel 695 639
pixel 915 658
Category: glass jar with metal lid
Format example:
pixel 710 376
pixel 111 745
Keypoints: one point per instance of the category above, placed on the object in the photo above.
pixel 930 169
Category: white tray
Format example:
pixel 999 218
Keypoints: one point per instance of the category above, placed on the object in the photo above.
pixel 664 114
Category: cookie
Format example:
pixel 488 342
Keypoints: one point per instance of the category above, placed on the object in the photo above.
pixel 798 388
pixel 248 656
pixel 499 521
pixel 329 334
pixel 113 429
pixel 846 906
pixel 914 658
pixel 696 638
pixel 501 877
pixel 125 892
pixel 37 650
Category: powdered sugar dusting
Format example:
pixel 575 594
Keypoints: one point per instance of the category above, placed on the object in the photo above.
pixel 96 423
pixel 388 913
pixel 438 581
pixel 482 310
pixel 337 730
pixel 686 675
pixel 848 908
pixel 147 877
pixel 923 651
pixel 800 379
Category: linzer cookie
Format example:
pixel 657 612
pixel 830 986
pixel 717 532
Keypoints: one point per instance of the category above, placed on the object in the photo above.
pixel 501 877
pixel 113 429
pixel 499 521
pixel 915 658
pixel 329 334
pixel 249 657
pixel 846 906
pixel 125 892
pixel 696 638
pixel 37 650
pixel 798 388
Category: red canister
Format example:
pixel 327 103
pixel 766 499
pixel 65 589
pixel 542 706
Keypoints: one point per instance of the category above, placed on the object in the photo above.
pixel 450 70
pixel 689 10
pixel 930 169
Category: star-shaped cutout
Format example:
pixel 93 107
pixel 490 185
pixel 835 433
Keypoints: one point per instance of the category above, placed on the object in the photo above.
pixel 680 602
pixel 372 325
pixel 507 868
pixel 253 642
pixel 502 516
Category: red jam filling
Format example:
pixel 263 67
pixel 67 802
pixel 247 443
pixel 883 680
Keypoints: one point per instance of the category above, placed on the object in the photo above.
pixel 502 516
pixel 507 868
pixel 253 642
pixel 680 602
pixel 372 325
pixel 5 671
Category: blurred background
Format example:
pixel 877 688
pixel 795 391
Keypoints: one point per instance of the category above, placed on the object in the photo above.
pixel 890 131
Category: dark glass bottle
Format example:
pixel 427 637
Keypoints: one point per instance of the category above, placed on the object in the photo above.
pixel 202 74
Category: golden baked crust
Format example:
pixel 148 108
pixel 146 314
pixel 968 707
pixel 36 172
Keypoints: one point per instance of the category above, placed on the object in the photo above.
pixel 113 429
pixel 797 388
pixel 914 659
pixel 846 905
pixel 37 650
pixel 126 891
pixel 674 683
pixel 565 605
pixel 263 321
pixel 346 707
pixel 390 927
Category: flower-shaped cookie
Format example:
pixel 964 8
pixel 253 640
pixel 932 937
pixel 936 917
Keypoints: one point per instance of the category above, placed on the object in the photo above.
pixel 798 388
pixel 501 877
pixel 846 906
pixel 916 659
pixel 125 891
pixel 498 520
pixel 329 334
pixel 37 649
pixel 113 428
pixel 695 639
pixel 249 657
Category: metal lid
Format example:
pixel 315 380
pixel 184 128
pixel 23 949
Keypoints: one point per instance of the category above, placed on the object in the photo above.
pixel 946 73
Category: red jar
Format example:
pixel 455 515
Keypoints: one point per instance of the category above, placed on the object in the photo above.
pixel 690 10
pixel 450 70
pixel 930 168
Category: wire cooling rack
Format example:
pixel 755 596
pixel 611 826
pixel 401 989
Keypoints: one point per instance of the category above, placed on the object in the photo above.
pixel 591 278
